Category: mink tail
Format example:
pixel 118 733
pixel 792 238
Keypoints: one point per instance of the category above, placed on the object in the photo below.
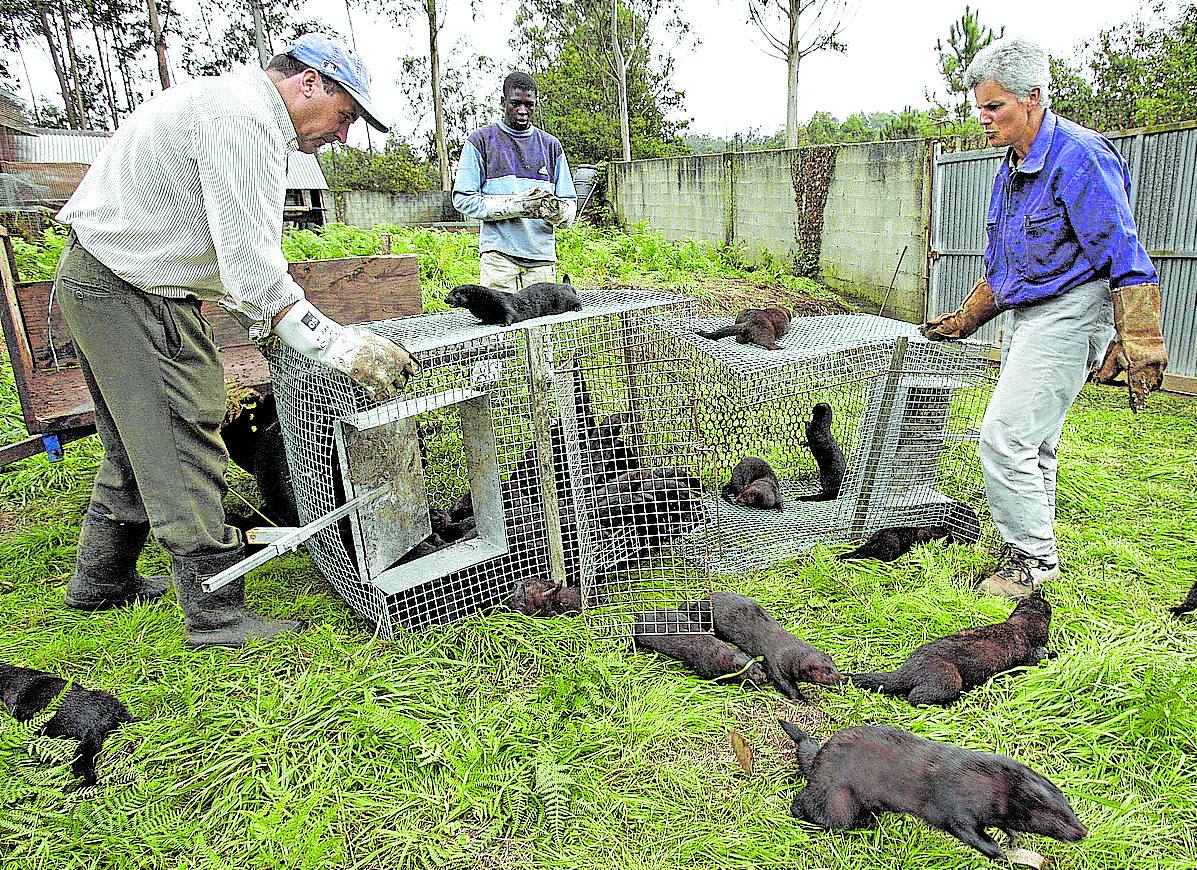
pixel 821 496
pixel 717 334
pixel 807 748
pixel 876 682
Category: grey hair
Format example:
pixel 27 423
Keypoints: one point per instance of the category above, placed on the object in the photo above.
pixel 1017 65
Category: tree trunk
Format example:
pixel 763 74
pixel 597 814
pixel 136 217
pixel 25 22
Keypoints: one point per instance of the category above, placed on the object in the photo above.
pixel 793 59
pixel 74 59
pixel 122 63
pixel 105 68
pixel 621 83
pixel 255 8
pixel 37 118
pixel 63 85
pixel 159 44
pixel 438 108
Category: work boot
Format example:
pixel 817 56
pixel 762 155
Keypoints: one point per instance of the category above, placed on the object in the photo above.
pixel 1019 576
pixel 106 565
pixel 221 618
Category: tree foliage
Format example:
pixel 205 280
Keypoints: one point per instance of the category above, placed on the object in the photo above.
pixel 966 37
pixel 394 169
pixel 471 84
pixel 561 45
pixel 1137 73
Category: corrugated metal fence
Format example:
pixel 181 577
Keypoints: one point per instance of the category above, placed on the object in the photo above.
pixel 1163 164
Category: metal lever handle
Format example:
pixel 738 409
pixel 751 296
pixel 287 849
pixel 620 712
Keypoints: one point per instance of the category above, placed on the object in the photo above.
pixel 290 541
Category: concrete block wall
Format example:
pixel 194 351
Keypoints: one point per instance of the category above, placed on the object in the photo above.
pixel 877 204
pixel 682 197
pixel 368 208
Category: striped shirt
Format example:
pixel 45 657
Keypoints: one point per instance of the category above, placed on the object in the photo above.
pixel 187 197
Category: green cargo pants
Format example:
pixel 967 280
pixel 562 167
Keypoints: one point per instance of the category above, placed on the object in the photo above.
pixel 155 376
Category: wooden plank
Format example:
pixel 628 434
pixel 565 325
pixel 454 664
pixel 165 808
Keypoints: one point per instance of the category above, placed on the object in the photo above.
pixel 20 354
pixel 54 397
pixel 349 290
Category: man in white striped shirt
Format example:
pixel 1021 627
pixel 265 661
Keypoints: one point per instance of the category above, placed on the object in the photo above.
pixel 185 204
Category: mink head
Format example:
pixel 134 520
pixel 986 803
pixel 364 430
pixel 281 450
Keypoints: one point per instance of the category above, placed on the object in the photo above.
pixel 1038 807
pixel 820 669
pixel 821 413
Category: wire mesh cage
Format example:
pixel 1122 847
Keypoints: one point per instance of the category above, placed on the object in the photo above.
pixel 904 413
pixel 556 450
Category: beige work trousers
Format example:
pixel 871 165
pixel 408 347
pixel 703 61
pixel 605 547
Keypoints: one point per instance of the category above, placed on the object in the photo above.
pixel 503 273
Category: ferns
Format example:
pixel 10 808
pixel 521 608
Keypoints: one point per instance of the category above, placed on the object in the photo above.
pixel 554 788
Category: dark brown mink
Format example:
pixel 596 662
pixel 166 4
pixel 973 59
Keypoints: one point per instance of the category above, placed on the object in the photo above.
pixel 86 715
pixel 537 597
pixel 500 308
pixel 759 326
pixel 887 545
pixel 1189 604
pixel 941 671
pixel 828 455
pixel 700 651
pixel 860 773
pixel 788 660
pixel 753 484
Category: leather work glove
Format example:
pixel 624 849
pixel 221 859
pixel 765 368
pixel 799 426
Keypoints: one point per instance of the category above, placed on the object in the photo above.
pixel 556 210
pixel 977 309
pixel 1139 348
pixel 380 366
pixel 501 207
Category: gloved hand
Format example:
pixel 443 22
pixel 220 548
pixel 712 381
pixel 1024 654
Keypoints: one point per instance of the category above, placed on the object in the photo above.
pixel 1139 349
pixel 556 210
pixel 977 309
pixel 379 365
pixel 501 207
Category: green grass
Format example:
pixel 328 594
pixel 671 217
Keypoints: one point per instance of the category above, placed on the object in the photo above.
pixel 505 741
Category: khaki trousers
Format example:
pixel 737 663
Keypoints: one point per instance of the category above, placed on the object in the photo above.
pixel 503 273
pixel 156 378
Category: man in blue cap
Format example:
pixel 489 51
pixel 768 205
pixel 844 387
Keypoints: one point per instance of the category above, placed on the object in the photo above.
pixel 184 204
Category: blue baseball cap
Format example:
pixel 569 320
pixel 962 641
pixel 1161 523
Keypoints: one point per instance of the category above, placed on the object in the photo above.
pixel 341 64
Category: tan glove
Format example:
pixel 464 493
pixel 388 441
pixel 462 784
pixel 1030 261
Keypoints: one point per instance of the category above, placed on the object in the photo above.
pixel 977 309
pixel 380 366
pixel 1139 349
pixel 556 210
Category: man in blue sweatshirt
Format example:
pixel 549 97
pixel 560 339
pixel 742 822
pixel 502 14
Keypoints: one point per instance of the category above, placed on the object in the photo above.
pixel 514 178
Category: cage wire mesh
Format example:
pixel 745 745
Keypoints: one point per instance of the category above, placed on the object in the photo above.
pixel 905 411
pixel 559 449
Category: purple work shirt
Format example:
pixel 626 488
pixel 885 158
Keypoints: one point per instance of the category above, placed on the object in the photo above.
pixel 1062 219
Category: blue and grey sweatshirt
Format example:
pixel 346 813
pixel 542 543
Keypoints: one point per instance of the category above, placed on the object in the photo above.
pixel 497 160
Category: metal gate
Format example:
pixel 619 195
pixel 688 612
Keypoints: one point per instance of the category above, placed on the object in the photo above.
pixel 1163 165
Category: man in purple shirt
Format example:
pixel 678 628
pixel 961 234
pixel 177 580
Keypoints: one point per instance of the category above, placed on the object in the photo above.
pixel 1064 258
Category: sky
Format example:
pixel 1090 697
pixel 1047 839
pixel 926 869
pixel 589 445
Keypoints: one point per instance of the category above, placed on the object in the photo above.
pixel 730 83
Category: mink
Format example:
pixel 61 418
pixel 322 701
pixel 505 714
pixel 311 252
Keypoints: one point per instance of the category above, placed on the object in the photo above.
pixel 615 453
pixel 500 308
pixel 828 455
pixel 941 671
pixel 655 502
pixel 759 326
pixel 888 544
pixel 753 484
pixel 86 715
pixel 538 597
pixel 861 772
pixel 702 652
pixel 788 659
pixel 1189 604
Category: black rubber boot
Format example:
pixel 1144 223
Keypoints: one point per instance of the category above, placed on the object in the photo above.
pixel 106 565
pixel 221 618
